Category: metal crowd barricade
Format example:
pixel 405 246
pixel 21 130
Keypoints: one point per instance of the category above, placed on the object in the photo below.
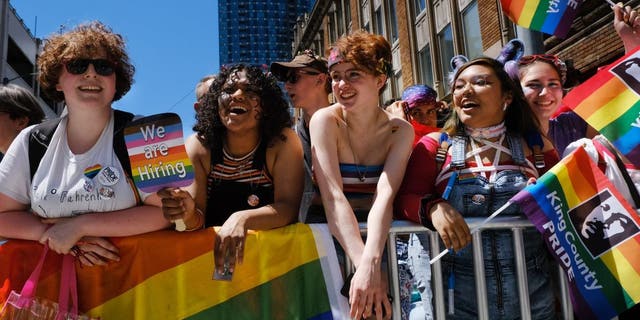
pixel 515 224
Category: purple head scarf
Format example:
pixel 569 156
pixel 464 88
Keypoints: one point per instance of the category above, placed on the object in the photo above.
pixel 419 94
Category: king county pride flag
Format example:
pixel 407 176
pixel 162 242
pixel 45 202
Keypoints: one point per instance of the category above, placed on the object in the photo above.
pixel 288 273
pixel 610 102
pixel 591 231
pixel 549 16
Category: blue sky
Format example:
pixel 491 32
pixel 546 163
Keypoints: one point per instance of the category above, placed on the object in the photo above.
pixel 171 43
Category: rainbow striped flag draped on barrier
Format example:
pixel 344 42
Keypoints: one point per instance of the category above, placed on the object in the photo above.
pixel 549 16
pixel 610 102
pixel 592 232
pixel 288 273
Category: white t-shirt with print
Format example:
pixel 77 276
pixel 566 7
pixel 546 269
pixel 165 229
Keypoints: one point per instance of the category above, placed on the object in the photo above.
pixel 67 184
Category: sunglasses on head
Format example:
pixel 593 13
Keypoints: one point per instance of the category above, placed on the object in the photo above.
pixel 102 67
pixel 534 57
pixel 560 66
pixel 294 75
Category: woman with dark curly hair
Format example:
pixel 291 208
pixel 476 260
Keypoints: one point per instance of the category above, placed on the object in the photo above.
pixel 80 192
pixel 359 156
pixel 247 162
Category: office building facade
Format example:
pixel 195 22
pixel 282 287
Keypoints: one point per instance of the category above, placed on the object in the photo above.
pixel 425 34
pixel 18 53
pixel 258 31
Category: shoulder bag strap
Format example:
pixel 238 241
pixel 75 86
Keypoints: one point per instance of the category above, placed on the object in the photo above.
pixel 29 288
pixel 68 286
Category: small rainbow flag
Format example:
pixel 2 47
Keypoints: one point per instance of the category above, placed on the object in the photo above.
pixel 157 154
pixel 610 102
pixel 591 231
pixel 549 16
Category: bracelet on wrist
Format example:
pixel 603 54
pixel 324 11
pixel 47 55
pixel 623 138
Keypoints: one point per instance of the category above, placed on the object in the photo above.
pixel 200 223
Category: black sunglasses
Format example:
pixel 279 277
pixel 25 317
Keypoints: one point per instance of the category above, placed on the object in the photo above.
pixel 294 75
pixel 102 67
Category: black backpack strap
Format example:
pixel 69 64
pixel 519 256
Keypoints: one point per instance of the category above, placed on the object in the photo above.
pixel 535 143
pixel 120 121
pixel 39 140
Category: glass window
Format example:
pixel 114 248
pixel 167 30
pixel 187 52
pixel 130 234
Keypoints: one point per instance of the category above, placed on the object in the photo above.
pixel 347 12
pixel 472 37
pixel 398 84
pixel 419 5
pixel 445 41
pixel 379 29
pixel 393 20
pixel 332 29
pixel 424 63
pixel 340 20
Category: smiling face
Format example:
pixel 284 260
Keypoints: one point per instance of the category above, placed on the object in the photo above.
pixel 425 113
pixel 88 89
pixel 239 103
pixel 478 97
pixel 354 87
pixel 542 88
pixel 306 80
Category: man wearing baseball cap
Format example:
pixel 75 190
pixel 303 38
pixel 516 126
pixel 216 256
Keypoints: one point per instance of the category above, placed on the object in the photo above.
pixel 308 85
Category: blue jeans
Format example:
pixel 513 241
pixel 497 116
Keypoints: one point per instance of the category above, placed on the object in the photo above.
pixel 501 278
pixel 477 197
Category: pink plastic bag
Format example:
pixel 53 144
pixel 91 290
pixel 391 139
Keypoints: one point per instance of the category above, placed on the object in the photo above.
pixel 26 306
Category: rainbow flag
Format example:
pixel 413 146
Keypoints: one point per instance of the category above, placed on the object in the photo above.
pixel 591 231
pixel 610 102
pixel 288 273
pixel 549 16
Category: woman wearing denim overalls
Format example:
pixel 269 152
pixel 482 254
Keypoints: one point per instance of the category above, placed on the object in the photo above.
pixel 488 160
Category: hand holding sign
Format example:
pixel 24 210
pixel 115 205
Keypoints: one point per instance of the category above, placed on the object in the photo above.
pixel 157 154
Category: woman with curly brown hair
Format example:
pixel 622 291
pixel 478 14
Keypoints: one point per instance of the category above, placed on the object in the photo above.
pixel 359 156
pixel 80 192
pixel 247 162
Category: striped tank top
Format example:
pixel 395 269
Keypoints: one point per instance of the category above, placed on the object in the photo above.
pixel 237 184
pixel 359 184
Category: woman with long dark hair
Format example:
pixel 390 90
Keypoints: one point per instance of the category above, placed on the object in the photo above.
pixel 247 162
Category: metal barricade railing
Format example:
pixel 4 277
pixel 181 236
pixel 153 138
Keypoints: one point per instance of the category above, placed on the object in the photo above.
pixel 515 224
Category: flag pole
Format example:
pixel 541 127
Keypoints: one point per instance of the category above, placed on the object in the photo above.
pixel 475 229
pixel 610 3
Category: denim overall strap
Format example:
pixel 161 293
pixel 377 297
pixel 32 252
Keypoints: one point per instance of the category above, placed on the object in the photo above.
pixel 458 152
pixel 517 152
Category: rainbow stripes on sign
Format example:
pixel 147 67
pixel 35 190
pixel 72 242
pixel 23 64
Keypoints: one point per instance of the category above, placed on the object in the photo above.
pixel 591 231
pixel 549 16
pixel 610 102
pixel 157 154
